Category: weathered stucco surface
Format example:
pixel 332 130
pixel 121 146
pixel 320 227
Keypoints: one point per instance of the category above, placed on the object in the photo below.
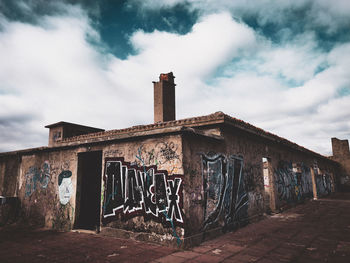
pixel 36 179
pixel 225 185
pixel 9 166
pixel 176 185
pixel 149 158
pixel 38 188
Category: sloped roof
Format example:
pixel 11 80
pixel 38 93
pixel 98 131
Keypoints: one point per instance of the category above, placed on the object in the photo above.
pixel 69 124
pixel 189 122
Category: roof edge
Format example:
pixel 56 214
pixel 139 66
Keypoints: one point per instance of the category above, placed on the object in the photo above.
pixel 64 123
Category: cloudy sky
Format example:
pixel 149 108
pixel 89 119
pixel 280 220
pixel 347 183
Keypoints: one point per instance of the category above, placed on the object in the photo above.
pixel 280 65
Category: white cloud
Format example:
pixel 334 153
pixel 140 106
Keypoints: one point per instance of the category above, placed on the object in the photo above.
pixel 49 73
pixel 193 57
pixel 52 72
pixel 295 60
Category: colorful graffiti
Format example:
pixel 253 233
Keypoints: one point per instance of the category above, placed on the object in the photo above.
pixel 324 183
pixel 225 197
pixel 133 190
pixel 65 186
pixel 37 178
pixel 293 184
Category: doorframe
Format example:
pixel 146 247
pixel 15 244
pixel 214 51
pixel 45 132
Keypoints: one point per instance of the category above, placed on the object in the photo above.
pixel 79 185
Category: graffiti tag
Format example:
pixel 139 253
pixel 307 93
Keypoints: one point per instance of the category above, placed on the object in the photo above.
pixel 293 185
pixel 224 191
pixel 37 177
pixel 132 190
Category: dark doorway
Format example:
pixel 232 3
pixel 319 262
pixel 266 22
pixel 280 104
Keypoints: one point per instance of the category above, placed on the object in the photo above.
pixel 88 200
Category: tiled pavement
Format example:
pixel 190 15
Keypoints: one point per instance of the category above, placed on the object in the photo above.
pixel 317 231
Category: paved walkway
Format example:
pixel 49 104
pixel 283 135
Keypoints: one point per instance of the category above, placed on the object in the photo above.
pixel 317 231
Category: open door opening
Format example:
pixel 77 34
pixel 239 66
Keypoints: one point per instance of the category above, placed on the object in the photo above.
pixel 88 199
pixel 268 185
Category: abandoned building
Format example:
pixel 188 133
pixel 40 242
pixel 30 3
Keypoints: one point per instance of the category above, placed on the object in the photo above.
pixel 177 182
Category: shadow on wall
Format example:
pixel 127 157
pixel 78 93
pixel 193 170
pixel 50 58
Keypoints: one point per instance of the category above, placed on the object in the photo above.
pixel 9 210
pixel 225 197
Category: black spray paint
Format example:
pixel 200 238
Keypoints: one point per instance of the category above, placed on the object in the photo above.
pixel 324 183
pixel 131 191
pixel 225 197
pixel 139 157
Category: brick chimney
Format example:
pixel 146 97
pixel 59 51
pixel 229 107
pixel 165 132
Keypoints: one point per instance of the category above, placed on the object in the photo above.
pixel 164 98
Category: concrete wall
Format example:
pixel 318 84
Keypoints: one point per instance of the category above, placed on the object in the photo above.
pixel 157 166
pixel 144 195
pixel 38 188
pixel 198 202
pixel 225 186
pixel 9 171
pixel 9 204
pixel 176 189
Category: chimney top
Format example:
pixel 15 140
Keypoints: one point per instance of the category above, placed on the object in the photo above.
pixel 167 76
pixel 164 98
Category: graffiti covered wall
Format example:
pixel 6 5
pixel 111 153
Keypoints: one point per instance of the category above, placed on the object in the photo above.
pixel 293 184
pixel 164 154
pixel 132 190
pixel 46 189
pixel 37 177
pixel 164 185
pixel 142 189
pixel 225 197
pixel 324 183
